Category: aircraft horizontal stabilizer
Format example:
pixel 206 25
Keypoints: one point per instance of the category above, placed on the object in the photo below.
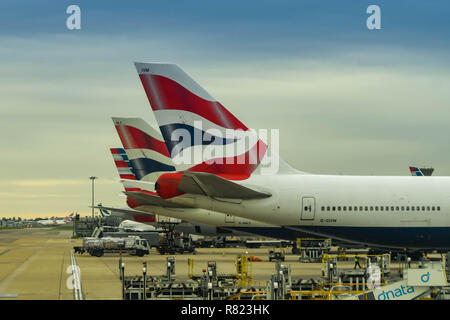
pixel 215 186
pixel 144 185
pixel 170 185
pixel 143 198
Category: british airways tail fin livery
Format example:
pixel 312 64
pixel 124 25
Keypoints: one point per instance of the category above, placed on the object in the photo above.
pixel 420 172
pixel 214 173
pixel 415 172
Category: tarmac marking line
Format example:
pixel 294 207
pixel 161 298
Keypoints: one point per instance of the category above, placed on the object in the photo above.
pixel 61 274
pixel 5 251
pixel 5 283
pixel 78 293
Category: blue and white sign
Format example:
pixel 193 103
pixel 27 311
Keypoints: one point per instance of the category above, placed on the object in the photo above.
pixel 398 291
pixel 427 277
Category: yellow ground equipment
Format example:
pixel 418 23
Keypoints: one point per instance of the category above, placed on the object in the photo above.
pixel 244 271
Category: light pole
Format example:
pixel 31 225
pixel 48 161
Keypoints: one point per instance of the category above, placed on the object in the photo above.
pixel 92 178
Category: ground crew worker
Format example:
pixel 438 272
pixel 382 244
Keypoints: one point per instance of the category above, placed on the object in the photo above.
pixel 357 262
pixel 423 259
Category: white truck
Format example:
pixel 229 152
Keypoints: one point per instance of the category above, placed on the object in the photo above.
pixel 133 245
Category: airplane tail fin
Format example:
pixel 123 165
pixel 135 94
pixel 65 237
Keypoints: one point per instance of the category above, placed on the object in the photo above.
pixel 146 151
pixel 415 171
pixel 123 164
pixel 68 218
pixel 124 168
pixel 127 175
pixel 103 212
pixel 200 133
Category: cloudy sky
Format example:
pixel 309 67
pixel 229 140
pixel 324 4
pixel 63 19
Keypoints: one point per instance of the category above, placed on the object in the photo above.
pixel 346 99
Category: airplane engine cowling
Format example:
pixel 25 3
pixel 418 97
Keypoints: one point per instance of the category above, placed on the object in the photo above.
pixel 167 184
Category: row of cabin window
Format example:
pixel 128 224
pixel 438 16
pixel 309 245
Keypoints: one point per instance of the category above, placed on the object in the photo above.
pixel 381 208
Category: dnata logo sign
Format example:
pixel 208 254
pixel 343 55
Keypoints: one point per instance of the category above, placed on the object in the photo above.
pixel 395 293
pixel 425 277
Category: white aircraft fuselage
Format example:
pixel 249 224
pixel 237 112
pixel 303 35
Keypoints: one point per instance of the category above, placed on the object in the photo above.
pixel 56 222
pixel 220 221
pixel 374 210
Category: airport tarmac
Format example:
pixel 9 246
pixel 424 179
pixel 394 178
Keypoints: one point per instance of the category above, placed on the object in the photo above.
pixel 35 264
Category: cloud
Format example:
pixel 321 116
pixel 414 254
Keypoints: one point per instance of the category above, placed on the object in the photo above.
pixel 53 182
pixel 23 196
pixel 45 183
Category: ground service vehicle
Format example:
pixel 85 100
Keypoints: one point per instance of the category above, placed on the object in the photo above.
pixel 133 245
pixel 276 255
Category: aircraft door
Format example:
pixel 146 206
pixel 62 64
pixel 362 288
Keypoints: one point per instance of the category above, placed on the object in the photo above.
pixel 229 218
pixel 308 208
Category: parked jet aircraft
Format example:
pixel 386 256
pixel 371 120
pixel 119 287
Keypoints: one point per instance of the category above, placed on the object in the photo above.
pixel 187 220
pixel 53 221
pixel 146 158
pixel 135 226
pixel 394 212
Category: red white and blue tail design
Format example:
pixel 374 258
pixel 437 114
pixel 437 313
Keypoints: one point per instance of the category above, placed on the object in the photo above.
pixel 127 174
pixel 68 218
pixel 122 164
pixel 415 172
pixel 181 105
pixel 143 159
pixel 146 152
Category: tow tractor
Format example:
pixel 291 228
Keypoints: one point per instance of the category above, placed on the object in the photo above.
pixel 172 243
pixel 276 255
